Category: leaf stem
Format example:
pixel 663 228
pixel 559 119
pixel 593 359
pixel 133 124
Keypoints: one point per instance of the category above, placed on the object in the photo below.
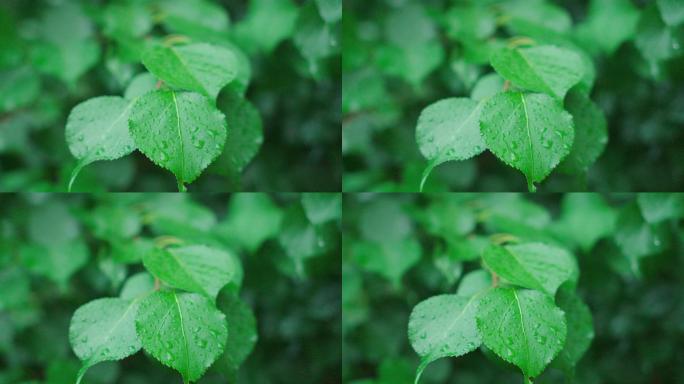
pixel 157 283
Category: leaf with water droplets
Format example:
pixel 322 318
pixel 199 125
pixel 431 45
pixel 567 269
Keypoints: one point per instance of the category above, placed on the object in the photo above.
pixel 179 131
pixel 545 68
pixel 183 331
pixel 580 329
pixel 194 268
pixel 523 327
pixel 201 67
pixel 97 129
pixel 591 133
pixel 528 131
pixel 532 265
pixel 242 336
pixel 443 326
pixel 448 130
pixel 104 330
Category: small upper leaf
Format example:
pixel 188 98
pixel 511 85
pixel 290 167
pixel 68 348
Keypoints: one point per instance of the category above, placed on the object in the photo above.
pixel 97 129
pixel 532 265
pixel 522 326
pixel 184 331
pixel 449 130
pixel 443 326
pixel 194 268
pixel 201 67
pixel 179 131
pixel 530 132
pixel 546 68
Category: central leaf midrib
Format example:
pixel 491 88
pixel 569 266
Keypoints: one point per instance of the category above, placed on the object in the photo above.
pixel 180 136
pixel 185 338
pixel 522 325
pixel 529 133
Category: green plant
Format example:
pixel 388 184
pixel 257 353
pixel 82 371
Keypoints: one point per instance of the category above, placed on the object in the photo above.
pixel 192 87
pixel 539 85
pixel 524 280
pixel 110 276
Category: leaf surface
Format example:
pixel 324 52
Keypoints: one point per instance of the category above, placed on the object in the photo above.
pixel 672 11
pixel 449 130
pixel 523 327
pixel 97 129
pixel 532 265
pixel 183 331
pixel 529 132
pixel 179 131
pixel 104 330
pixel 443 326
pixel 242 336
pixel 545 68
pixel 591 132
pixel 194 268
pixel 200 67
pixel 580 329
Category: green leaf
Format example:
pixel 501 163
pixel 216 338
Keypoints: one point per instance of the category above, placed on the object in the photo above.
pixel 58 261
pixel 279 15
pixel 608 24
pixel 195 18
pixel 522 326
pixel 242 336
pixel 654 38
pixel 104 330
pixel 183 331
pixel 179 131
pixel 474 282
pixel 523 15
pixel 16 288
pixel 18 87
pixel 657 207
pixel 331 10
pixel 636 238
pixel 314 38
pixel 246 133
pixel 322 207
pixel 389 259
pixel 194 268
pixel 487 86
pixel 137 285
pixel 580 329
pixel 443 326
pixel 97 129
pixel 591 133
pixel 140 85
pixel 532 265
pixel 449 130
pixel 383 220
pixel 200 67
pixel 252 219
pixel 470 22
pixel 672 11
pixel 129 19
pixel 545 68
pixel 529 132
pixel 585 218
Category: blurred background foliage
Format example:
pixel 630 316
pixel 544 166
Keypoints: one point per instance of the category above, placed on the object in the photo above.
pixel 57 53
pixel 402 55
pixel 400 249
pixel 59 252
